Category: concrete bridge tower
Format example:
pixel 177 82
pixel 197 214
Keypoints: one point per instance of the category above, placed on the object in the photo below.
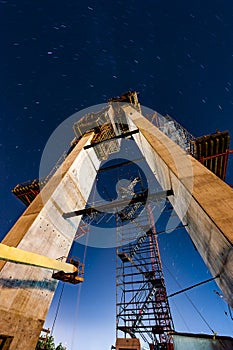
pixel 203 202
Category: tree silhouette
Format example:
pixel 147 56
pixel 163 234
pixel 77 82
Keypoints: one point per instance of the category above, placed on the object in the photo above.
pixel 48 344
pixel 60 347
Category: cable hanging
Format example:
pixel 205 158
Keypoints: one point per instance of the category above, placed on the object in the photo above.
pixel 58 307
pixel 79 292
pixel 189 299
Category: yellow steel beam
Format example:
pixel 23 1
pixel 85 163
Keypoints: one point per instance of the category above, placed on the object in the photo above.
pixel 20 256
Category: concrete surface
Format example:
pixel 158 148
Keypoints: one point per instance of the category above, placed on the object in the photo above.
pixel 27 291
pixel 201 200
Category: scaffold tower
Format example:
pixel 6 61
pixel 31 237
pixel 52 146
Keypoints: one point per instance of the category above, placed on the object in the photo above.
pixel 142 304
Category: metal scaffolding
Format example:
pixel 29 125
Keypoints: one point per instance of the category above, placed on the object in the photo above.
pixel 142 305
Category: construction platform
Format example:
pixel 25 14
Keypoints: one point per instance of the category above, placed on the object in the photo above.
pixel 213 152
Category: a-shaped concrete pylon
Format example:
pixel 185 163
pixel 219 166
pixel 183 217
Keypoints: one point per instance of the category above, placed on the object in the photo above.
pixel 202 201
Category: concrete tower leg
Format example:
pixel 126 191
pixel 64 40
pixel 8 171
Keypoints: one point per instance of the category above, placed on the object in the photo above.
pixel 27 291
pixel 202 201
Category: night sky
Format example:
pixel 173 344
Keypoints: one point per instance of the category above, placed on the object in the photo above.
pixel 58 57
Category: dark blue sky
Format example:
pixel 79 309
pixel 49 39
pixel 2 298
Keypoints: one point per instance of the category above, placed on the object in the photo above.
pixel 58 57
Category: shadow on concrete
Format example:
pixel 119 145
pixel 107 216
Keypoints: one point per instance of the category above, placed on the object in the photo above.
pixel 34 284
